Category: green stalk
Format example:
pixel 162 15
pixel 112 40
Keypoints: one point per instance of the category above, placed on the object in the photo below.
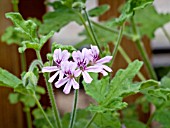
pixel 92 31
pixel 39 56
pixel 51 94
pixel 91 120
pixel 117 44
pixel 110 29
pixel 128 60
pixel 23 62
pixel 142 51
pixel 166 34
pixel 28 116
pixel 73 115
pixel 15 5
pixel 52 99
pixel 44 114
pixel 86 27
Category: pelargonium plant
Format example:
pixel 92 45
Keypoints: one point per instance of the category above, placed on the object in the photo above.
pixel 89 68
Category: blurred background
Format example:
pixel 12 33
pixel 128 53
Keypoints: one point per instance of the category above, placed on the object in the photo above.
pixel 158 50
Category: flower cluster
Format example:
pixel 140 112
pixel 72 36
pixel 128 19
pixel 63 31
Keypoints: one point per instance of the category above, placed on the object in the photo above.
pixel 84 62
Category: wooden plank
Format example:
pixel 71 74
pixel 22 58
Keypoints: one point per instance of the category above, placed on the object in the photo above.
pixel 10 115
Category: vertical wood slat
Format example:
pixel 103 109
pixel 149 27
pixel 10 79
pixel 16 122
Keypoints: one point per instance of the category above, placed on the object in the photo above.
pixel 10 115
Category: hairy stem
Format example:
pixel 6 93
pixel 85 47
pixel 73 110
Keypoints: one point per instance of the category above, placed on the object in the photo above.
pixel 51 94
pixel 91 120
pixel 15 5
pixel 23 62
pixel 52 99
pixel 92 31
pixel 28 116
pixel 73 115
pixel 117 44
pixel 166 34
pixel 142 51
pixel 86 27
pixel 44 114
pixel 110 29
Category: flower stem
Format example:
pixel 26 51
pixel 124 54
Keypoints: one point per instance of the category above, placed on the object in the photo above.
pixel 92 31
pixel 44 114
pixel 28 116
pixel 166 34
pixel 91 120
pixel 73 115
pixel 39 56
pixel 86 27
pixel 23 62
pixel 142 51
pixel 15 5
pixel 110 29
pixel 52 99
pixel 117 44
pixel 51 94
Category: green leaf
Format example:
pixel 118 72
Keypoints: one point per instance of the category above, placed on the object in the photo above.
pixel 107 120
pixel 149 20
pixel 28 27
pixel 99 10
pixel 13 98
pixel 8 80
pixel 163 117
pixel 44 39
pixel 133 124
pixel 122 84
pixel 109 95
pixel 54 21
pixel 165 82
pixel 129 8
pixel 12 35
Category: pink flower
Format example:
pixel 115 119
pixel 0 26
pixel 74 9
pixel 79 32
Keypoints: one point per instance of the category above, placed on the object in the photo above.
pixel 68 67
pixel 82 60
pixel 94 59
pixel 58 57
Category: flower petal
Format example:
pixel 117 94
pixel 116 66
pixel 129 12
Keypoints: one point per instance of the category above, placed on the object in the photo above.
pixel 53 77
pixel 104 73
pixel 94 50
pixel 107 68
pixel 61 82
pixel 77 73
pixel 50 69
pixel 103 60
pixel 67 88
pixel 65 55
pixel 57 54
pixel 75 84
pixel 87 78
pixel 96 69
pixel 61 75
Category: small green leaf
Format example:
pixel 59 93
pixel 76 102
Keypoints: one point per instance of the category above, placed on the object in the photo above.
pixel 62 47
pixel 44 39
pixel 12 35
pixel 99 10
pixel 8 80
pixel 13 98
pixel 28 27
